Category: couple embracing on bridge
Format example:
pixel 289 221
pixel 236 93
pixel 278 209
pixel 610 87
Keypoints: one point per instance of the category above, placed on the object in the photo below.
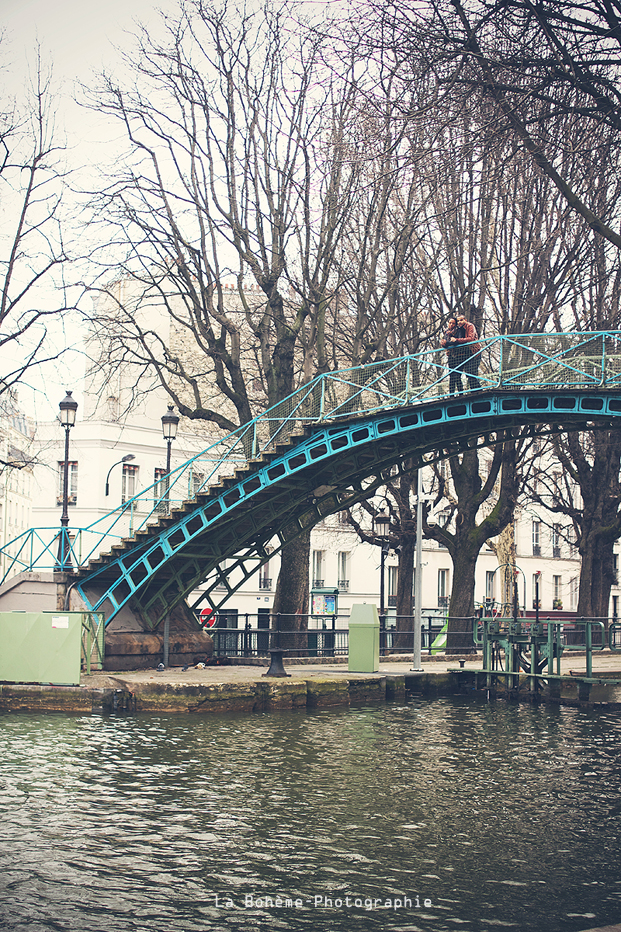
pixel 463 351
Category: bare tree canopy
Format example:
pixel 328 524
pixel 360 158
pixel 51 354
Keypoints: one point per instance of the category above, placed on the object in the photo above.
pixel 33 249
pixel 519 68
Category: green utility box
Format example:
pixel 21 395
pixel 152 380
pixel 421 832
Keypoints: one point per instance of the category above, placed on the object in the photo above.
pixel 41 647
pixel 364 639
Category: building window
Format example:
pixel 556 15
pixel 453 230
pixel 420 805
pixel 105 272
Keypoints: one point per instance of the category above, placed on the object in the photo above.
pixel 443 588
pixel 615 569
pixel 573 593
pixel 536 538
pixel 537 577
pixel 556 540
pixel 130 482
pixel 265 580
pixel 159 489
pixel 343 577
pixel 490 579
pixel 318 568
pixel 195 482
pixel 72 483
pixel 221 584
pixel 393 572
pixel 557 601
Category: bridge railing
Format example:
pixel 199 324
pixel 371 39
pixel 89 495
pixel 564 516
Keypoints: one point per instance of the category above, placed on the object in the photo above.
pixel 534 361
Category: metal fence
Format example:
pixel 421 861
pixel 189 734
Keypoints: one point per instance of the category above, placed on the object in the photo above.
pixel 93 638
pixel 242 635
pixel 575 634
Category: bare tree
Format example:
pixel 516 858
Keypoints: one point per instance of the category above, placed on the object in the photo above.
pixel 33 252
pixel 520 69
pixel 240 181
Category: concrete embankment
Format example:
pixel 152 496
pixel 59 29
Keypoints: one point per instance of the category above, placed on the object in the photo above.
pixel 246 689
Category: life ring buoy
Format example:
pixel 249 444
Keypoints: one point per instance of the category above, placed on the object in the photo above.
pixel 207 618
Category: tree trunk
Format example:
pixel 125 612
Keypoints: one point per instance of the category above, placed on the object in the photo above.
pixel 405 574
pixel 290 611
pixel 404 635
pixel 461 608
pixel 596 577
pixel 506 555
pixel 465 543
pixel 599 522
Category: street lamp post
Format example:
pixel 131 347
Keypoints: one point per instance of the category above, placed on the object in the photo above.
pixel 68 407
pixel 418 574
pixel 418 578
pixel 126 459
pixel 169 429
pixel 382 525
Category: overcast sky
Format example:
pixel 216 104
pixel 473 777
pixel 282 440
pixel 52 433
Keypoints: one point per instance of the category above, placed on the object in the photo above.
pixel 77 35
pixel 77 39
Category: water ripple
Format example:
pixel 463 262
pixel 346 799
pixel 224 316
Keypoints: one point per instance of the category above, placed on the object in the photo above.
pixel 500 815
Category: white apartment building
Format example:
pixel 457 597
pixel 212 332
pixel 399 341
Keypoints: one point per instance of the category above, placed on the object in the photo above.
pixel 16 471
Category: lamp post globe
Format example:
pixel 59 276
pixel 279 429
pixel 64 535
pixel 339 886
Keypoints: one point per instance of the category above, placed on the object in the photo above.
pixel 68 407
pixel 170 420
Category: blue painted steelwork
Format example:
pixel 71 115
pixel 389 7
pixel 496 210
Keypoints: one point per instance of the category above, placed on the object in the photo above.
pixel 336 466
pixel 337 434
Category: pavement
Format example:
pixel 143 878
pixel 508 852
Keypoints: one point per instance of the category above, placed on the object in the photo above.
pixel 605 663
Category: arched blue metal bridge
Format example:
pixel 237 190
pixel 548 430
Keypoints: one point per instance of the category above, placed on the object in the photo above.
pixel 226 512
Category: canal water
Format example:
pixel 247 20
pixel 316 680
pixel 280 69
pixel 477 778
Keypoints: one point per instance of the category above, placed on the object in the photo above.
pixel 422 816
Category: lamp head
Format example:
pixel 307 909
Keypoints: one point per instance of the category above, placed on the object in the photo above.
pixel 169 424
pixel 68 408
pixel 382 524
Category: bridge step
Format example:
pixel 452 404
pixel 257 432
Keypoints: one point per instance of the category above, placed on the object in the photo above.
pixel 180 510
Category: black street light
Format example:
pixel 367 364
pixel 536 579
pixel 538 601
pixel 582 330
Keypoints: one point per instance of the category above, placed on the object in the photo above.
pixel 382 532
pixel 68 407
pixel 169 429
pixel 126 459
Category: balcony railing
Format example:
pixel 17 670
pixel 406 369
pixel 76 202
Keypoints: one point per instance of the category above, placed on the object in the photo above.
pixel 536 550
pixel 265 582
pixel 343 585
pixel 318 584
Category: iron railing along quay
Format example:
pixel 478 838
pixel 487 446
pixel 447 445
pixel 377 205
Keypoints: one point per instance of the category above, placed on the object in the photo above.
pixel 246 639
